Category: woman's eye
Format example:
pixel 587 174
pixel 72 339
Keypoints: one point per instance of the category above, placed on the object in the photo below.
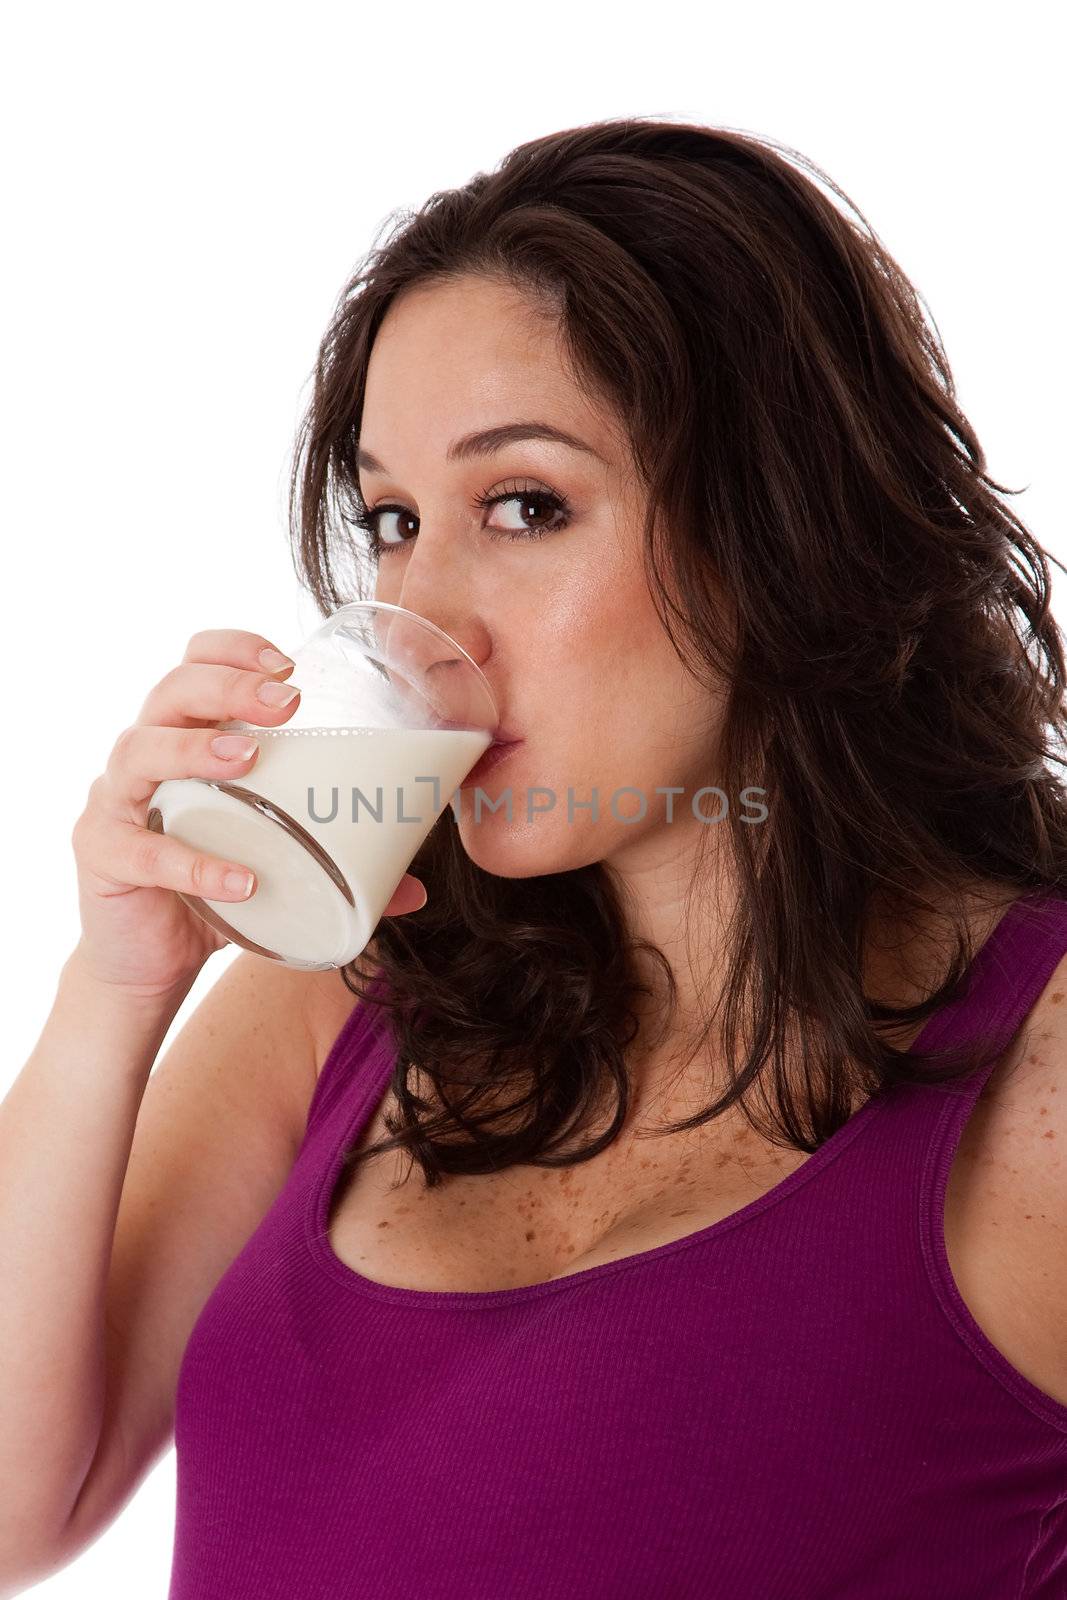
pixel 539 505
pixel 529 503
pixel 370 521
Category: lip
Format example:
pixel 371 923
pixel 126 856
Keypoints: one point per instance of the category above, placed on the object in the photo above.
pixel 497 752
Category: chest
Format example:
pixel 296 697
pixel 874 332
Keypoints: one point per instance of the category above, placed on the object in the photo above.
pixel 530 1225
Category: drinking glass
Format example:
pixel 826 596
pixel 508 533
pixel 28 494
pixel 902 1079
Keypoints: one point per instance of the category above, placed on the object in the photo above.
pixel 393 715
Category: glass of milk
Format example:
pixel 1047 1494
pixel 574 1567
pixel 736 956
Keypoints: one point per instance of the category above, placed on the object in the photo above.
pixel 392 716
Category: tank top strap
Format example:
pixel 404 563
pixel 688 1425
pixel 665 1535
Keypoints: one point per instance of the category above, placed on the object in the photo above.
pixel 339 1075
pixel 1003 982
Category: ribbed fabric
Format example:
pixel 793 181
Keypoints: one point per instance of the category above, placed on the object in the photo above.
pixel 791 1404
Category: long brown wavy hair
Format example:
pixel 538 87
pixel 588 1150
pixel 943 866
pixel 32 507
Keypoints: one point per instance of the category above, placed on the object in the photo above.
pixel 895 676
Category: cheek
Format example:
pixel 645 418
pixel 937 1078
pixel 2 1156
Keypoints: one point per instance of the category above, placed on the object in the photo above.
pixel 595 618
pixel 581 603
pixel 618 708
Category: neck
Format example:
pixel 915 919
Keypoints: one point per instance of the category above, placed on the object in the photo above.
pixel 673 1058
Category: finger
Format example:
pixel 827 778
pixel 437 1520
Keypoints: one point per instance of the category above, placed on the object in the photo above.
pixel 233 647
pixel 409 895
pixel 130 856
pixel 197 692
pixel 143 757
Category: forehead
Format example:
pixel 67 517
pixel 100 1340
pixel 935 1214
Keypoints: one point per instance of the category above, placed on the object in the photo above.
pixel 472 318
pixel 456 357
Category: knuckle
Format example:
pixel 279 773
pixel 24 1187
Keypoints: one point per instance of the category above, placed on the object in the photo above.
pixel 239 683
pixel 165 688
pixel 145 853
pixel 98 791
pixel 122 748
pixel 200 875
pixel 186 744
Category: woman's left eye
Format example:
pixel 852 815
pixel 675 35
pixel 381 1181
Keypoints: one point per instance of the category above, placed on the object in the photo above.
pixel 526 500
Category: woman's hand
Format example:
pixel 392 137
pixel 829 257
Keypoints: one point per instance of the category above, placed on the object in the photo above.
pixel 136 932
pixel 409 895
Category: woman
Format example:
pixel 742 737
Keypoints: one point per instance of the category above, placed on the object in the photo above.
pixel 758 944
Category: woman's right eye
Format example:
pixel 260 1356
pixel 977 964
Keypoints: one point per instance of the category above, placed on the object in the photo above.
pixel 368 521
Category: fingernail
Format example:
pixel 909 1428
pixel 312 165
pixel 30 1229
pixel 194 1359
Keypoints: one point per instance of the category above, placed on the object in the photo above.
pixel 277 694
pixel 274 661
pixel 232 747
pixel 235 882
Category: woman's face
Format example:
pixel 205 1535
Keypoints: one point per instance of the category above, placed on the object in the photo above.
pixel 563 626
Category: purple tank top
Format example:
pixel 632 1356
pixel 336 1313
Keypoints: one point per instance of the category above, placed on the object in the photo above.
pixel 792 1404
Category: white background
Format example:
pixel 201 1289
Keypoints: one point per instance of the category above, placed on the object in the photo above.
pixel 186 191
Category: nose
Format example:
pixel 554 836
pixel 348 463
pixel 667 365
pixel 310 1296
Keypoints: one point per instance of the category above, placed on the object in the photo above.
pixel 434 586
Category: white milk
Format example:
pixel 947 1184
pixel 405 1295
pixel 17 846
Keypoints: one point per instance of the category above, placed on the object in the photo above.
pixel 298 912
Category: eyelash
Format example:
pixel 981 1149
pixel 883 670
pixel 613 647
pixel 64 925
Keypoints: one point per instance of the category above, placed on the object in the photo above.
pixel 367 519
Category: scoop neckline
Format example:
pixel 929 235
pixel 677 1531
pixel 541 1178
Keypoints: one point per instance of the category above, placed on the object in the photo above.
pixel 326 1183
pixel 324 1187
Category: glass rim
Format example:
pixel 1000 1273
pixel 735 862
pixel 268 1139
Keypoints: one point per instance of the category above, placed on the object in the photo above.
pixel 404 611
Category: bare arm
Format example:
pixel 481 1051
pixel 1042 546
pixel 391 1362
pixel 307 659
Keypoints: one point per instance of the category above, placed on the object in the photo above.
pixel 123 1199
pixel 126 1193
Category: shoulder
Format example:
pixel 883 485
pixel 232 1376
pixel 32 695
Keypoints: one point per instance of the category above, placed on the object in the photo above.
pixel 1013 1192
pixel 1028 1086
pixel 1021 1115
pixel 328 1004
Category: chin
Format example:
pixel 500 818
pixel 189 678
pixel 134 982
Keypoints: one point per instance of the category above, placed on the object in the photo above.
pixel 521 849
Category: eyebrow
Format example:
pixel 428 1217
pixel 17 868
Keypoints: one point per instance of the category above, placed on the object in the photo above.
pixel 489 440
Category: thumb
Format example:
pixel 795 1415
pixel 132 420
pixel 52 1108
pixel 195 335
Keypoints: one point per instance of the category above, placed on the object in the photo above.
pixel 409 895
